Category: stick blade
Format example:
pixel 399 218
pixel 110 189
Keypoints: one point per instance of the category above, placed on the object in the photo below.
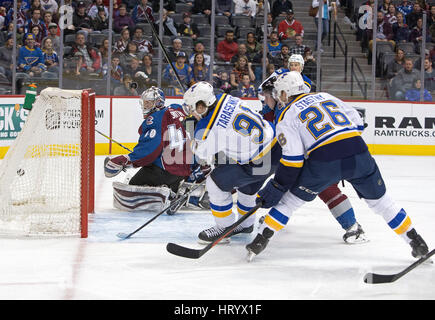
pixel 183 251
pixel 123 236
pixel 374 278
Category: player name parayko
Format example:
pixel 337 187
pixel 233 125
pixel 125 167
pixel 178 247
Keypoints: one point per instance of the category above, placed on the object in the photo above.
pixel 220 309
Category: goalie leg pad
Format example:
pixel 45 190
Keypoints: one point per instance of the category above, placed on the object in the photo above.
pixel 140 198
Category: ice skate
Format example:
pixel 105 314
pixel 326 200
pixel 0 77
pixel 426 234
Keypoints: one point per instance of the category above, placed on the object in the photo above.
pixel 259 244
pixel 355 235
pixel 419 247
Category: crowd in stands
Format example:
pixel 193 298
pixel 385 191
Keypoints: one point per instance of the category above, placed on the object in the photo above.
pixel 238 54
pixel 399 39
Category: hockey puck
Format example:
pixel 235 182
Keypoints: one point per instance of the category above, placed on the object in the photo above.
pixel 20 172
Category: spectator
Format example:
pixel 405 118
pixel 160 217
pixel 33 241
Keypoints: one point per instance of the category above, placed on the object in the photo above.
pixel 384 32
pixel 416 35
pixel 241 67
pixel 148 70
pixel 123 41
pixel 274 46
pixel 241 52
pixel 252 46
pixel 200 71
pixel 90 60
pixel 35 20
pixel 327 7
pixel 6 56
pixel 52 34
pixel 169 25
pixel 50 6
pixel 405 8
pixel 103 51
pixel 246 89
pixel 395 65
pixel 384 7
pixel 245 8
pixel 139 11
pixel 400 29
pixel 310 66
pixel 143 45
pixel 270 27
pixel 132 51
pixel 123 20
pixel 412 18
pixel 202 7
pixel 222 82
pixel 280 60
pixel 414 93
pixel 38 36
pixel 404 80
pixel 31 58
pixel 100 22
pixel 2 17
pixel 224 7
pixel 81 21
pixel 47 20
pixel 290 27
pixel 183 71
pixel 116 71
pixel 35 4
pixel 429 75
pixel 21 15
pixel 391 14
pixel 173 51
pixel 199 48
pixel 260 7
pixel 50 56
pixel 187 28
pixel 227 48
pixel 133 68
pixel 280 7
pixel 431 16
pixel 299 47
pixel 128 87
pixel 169 5
pixel 96 6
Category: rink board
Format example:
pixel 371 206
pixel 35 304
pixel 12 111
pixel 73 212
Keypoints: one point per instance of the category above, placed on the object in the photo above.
pixel 394 128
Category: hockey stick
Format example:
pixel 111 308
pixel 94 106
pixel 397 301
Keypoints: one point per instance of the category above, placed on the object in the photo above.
pixel 375 278
pixel 113 141
pixel 124 236
pixel 165 52
pixel 197 253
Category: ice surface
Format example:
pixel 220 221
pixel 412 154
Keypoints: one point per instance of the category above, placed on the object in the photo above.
pixel 307 260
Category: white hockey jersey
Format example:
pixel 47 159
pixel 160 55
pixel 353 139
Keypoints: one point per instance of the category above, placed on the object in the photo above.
pixel 315 120
pixel 231 127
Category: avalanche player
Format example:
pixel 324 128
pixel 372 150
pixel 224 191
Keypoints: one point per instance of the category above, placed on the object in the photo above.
pixel 162 153
pixel 227 126
pixel 321 144
pixel 338 203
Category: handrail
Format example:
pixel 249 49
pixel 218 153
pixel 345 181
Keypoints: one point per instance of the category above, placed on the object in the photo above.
pixel 344 49
pixel 361 84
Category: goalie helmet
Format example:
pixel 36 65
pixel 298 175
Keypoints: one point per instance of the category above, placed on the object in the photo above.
pixel 201 91
pixel 155 96
pixel 291 83
pixel 296 58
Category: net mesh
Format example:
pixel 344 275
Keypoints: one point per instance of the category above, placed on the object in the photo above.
pixel 40 175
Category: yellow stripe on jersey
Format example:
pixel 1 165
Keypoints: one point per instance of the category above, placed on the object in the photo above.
pixel 265 150
pixel 294 164
pixel 213 117
pixel 335 138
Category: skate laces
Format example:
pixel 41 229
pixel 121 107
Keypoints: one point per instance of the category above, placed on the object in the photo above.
pixel 214 231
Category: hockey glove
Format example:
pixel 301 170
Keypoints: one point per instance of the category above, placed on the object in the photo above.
pixel 112 167
pixel 199 173
pixel 270 194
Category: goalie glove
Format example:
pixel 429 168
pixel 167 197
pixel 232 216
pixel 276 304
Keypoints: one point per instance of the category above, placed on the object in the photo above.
pixel 112 167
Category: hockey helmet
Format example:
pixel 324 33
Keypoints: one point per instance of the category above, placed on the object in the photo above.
pixel 156 96
pixel 201 91
pixel 289 82
pixel 296 58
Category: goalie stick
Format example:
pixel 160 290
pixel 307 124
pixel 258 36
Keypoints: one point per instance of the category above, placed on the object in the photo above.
pixel 107 137
pixel 375 278
pixel 175 204
pixel 197 253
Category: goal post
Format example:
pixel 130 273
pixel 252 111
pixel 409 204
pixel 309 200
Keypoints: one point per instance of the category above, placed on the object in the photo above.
pixel 47 176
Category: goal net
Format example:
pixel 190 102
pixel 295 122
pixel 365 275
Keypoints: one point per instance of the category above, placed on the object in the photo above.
pixel 47 176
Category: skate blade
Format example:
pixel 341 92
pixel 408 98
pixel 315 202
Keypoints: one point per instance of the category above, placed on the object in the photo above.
pixel 359 240
pixel 250 256
pixel 223 241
